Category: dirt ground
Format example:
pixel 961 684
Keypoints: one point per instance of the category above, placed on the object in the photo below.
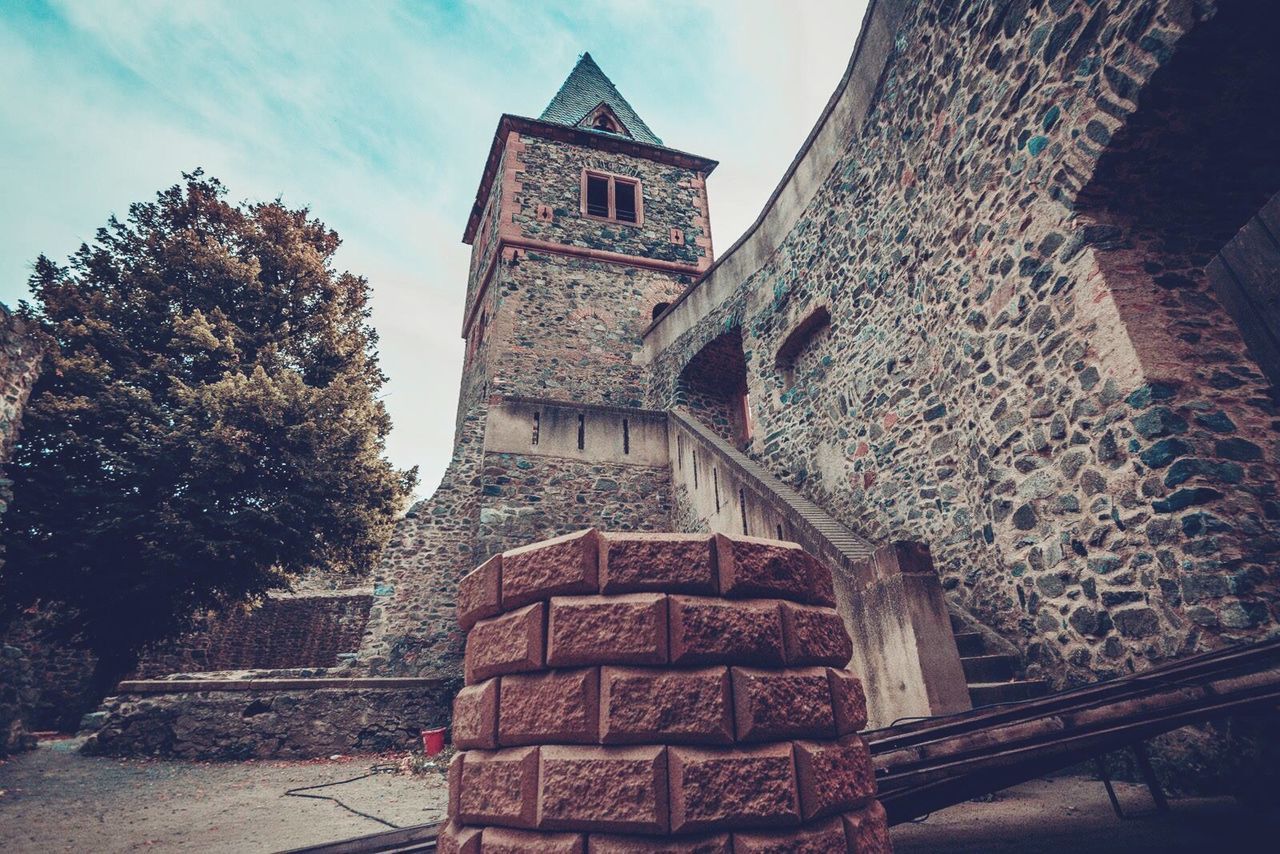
pixel 53 799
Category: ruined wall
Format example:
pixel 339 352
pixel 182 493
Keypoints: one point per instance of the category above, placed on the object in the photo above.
pixel 984 385
pixel 284 631
pixel 411 629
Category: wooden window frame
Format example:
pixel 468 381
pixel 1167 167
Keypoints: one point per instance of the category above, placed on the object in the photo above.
pixel 612 178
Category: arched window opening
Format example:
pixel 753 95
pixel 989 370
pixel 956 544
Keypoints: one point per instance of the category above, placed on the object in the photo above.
pixel 713 387
pixel 801 342
pixel 659 308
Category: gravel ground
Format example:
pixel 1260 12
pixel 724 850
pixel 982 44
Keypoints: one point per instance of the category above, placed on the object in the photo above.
pixel 53 799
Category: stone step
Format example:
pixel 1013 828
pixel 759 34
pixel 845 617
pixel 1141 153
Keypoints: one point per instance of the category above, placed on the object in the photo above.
pixel 987 693
pixel 970 643
pixel 988 668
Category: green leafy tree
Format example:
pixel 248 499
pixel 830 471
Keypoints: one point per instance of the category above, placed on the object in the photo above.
pixel 206 426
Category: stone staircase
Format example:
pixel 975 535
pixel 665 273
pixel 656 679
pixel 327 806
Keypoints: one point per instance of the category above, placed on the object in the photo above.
pixel 994 676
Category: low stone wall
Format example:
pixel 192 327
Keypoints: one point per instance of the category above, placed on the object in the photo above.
pixel 268 718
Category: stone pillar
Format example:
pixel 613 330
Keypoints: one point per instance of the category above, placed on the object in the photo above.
pixel 902 629
pixel 658 692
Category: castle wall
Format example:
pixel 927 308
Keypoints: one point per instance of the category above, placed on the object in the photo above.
pixel 988 382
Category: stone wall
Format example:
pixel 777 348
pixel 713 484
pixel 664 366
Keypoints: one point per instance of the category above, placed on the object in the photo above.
pixel 227 722
pixel 989 381
pixel 287 630
pixel 19 682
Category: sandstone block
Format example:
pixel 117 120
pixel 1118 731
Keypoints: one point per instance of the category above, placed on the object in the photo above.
pixel 751 568
pixel 867 830
pixel 744 788
pixel 455 784
pixel 629 629
pixel 561 706
pixel 823 838
pixel 610 789
pixel 475 716
pixel 773 705
pixel 604 843
pixel 499 787
pixel 480 593
pixel 848 700
pixel 815 636
pixel 639 706
pixel 716 631
pixel 833 775
pixel 556 567
pixel 505 840
pixel 671 563
pixel 511 643
pixel 457 839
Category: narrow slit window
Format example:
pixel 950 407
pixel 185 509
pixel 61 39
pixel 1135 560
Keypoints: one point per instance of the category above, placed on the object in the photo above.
pixel 626 437
pixel 598 195
pixel 680 452
pixel 780 533
pixel 715 484
pixel 742 504
pixel 695 469
pixel 582 432
pixel 537 426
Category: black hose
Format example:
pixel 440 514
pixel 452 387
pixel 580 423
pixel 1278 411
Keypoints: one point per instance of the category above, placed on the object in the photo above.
pixel 373 771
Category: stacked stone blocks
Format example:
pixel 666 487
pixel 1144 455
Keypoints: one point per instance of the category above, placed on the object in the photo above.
pixel 658 692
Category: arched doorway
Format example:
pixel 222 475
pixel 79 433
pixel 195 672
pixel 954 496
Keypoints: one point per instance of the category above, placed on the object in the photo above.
pixel 713 387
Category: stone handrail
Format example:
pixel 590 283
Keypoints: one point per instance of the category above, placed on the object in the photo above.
pixel 889 595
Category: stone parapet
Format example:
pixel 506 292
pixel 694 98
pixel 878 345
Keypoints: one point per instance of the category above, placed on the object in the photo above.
pixel 658 692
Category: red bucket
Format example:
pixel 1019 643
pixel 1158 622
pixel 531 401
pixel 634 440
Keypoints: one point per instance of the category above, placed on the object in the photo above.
pixel 433 741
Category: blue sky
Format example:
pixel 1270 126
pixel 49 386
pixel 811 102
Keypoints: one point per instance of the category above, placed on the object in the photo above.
pixel 378 116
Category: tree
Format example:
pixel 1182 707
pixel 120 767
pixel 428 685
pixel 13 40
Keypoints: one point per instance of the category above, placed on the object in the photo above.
pixel 206 426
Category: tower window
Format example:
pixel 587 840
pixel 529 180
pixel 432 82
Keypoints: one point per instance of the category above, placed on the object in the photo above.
pixel 612 197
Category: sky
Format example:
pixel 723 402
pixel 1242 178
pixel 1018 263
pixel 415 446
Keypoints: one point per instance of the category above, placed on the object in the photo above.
pixel 378 116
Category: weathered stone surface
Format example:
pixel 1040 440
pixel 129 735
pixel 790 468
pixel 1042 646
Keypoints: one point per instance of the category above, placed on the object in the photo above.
pixel 511 643
pixel 560 706
pixel 740 788
pixel 752 568
pixel 715 631
pixel 610 789
pixel 823 838
pixel 499 787
pixel 628 629
pixel 848 700
pixel 773 705
pixel 458 839
pixel 475 717
pixel 867 830
pixel 505 840
pixel 480 593
pixel 833 776
pixel 270 724
pixel 556 567
pixel 639 705
pixel 671 563
pixel 602 843
pixel 815 636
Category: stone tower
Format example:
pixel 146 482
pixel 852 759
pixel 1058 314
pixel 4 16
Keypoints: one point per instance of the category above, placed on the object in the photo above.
pixel 585 226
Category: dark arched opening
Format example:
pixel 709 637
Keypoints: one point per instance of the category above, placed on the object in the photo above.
pixel 659 308
pixel 713 387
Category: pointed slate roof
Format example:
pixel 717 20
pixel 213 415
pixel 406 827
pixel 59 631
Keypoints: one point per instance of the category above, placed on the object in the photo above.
pixel 585 89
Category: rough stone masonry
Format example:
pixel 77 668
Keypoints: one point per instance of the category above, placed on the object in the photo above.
pixel 658 693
